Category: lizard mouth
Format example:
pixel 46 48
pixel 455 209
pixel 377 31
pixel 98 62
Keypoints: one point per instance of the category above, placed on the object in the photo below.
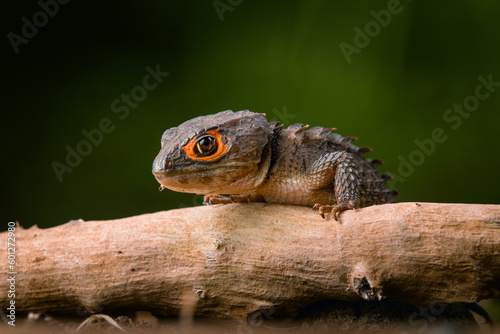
pixel 198 180
pixel 163 174
pixel 166 174
pixel 160 175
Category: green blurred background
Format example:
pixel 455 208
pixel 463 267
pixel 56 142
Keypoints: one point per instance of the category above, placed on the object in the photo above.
pixel 282 58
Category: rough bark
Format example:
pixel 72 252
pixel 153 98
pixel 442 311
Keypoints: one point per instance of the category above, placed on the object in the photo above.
pixel 227 261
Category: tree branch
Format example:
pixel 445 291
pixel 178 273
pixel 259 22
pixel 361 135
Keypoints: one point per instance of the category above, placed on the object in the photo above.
pixel 229 260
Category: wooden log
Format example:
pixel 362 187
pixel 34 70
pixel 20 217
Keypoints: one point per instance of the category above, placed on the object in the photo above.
pixel 226 261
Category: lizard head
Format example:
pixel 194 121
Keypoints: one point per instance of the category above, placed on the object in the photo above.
pixel 224 153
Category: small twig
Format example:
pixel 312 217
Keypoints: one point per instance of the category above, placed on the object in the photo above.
pixel 97 318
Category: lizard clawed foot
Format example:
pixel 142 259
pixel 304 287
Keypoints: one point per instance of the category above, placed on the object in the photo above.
pixel 335 210
pixel 221 199
pixel 216 199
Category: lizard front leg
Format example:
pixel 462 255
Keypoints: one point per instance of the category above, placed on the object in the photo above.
pixel 341 168
pixel 221 199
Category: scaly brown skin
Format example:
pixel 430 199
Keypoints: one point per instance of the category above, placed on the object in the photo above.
pixel 241 154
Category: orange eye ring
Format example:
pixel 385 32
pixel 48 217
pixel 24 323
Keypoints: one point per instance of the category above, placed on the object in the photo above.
pixel 192 148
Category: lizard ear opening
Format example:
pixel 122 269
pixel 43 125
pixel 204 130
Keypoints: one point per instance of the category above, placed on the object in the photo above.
pixel 208 146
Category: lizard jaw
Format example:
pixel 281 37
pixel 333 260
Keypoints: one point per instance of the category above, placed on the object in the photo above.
pixel 199 182
pixel 228 179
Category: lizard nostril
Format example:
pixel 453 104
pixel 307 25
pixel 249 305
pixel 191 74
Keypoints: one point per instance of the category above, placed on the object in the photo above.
pixel 169 164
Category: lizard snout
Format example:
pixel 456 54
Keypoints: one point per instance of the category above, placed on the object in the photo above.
pixel 161 166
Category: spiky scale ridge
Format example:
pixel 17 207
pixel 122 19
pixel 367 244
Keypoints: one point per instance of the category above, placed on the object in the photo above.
pixel 376 162
pixel 365 149
pixel 386 177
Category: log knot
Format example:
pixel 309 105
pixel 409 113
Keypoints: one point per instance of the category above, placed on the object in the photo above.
pixel 367 283
pixel 365 290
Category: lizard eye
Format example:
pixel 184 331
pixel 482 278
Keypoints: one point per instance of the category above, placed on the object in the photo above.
pixel 209 146
pixel 206 145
